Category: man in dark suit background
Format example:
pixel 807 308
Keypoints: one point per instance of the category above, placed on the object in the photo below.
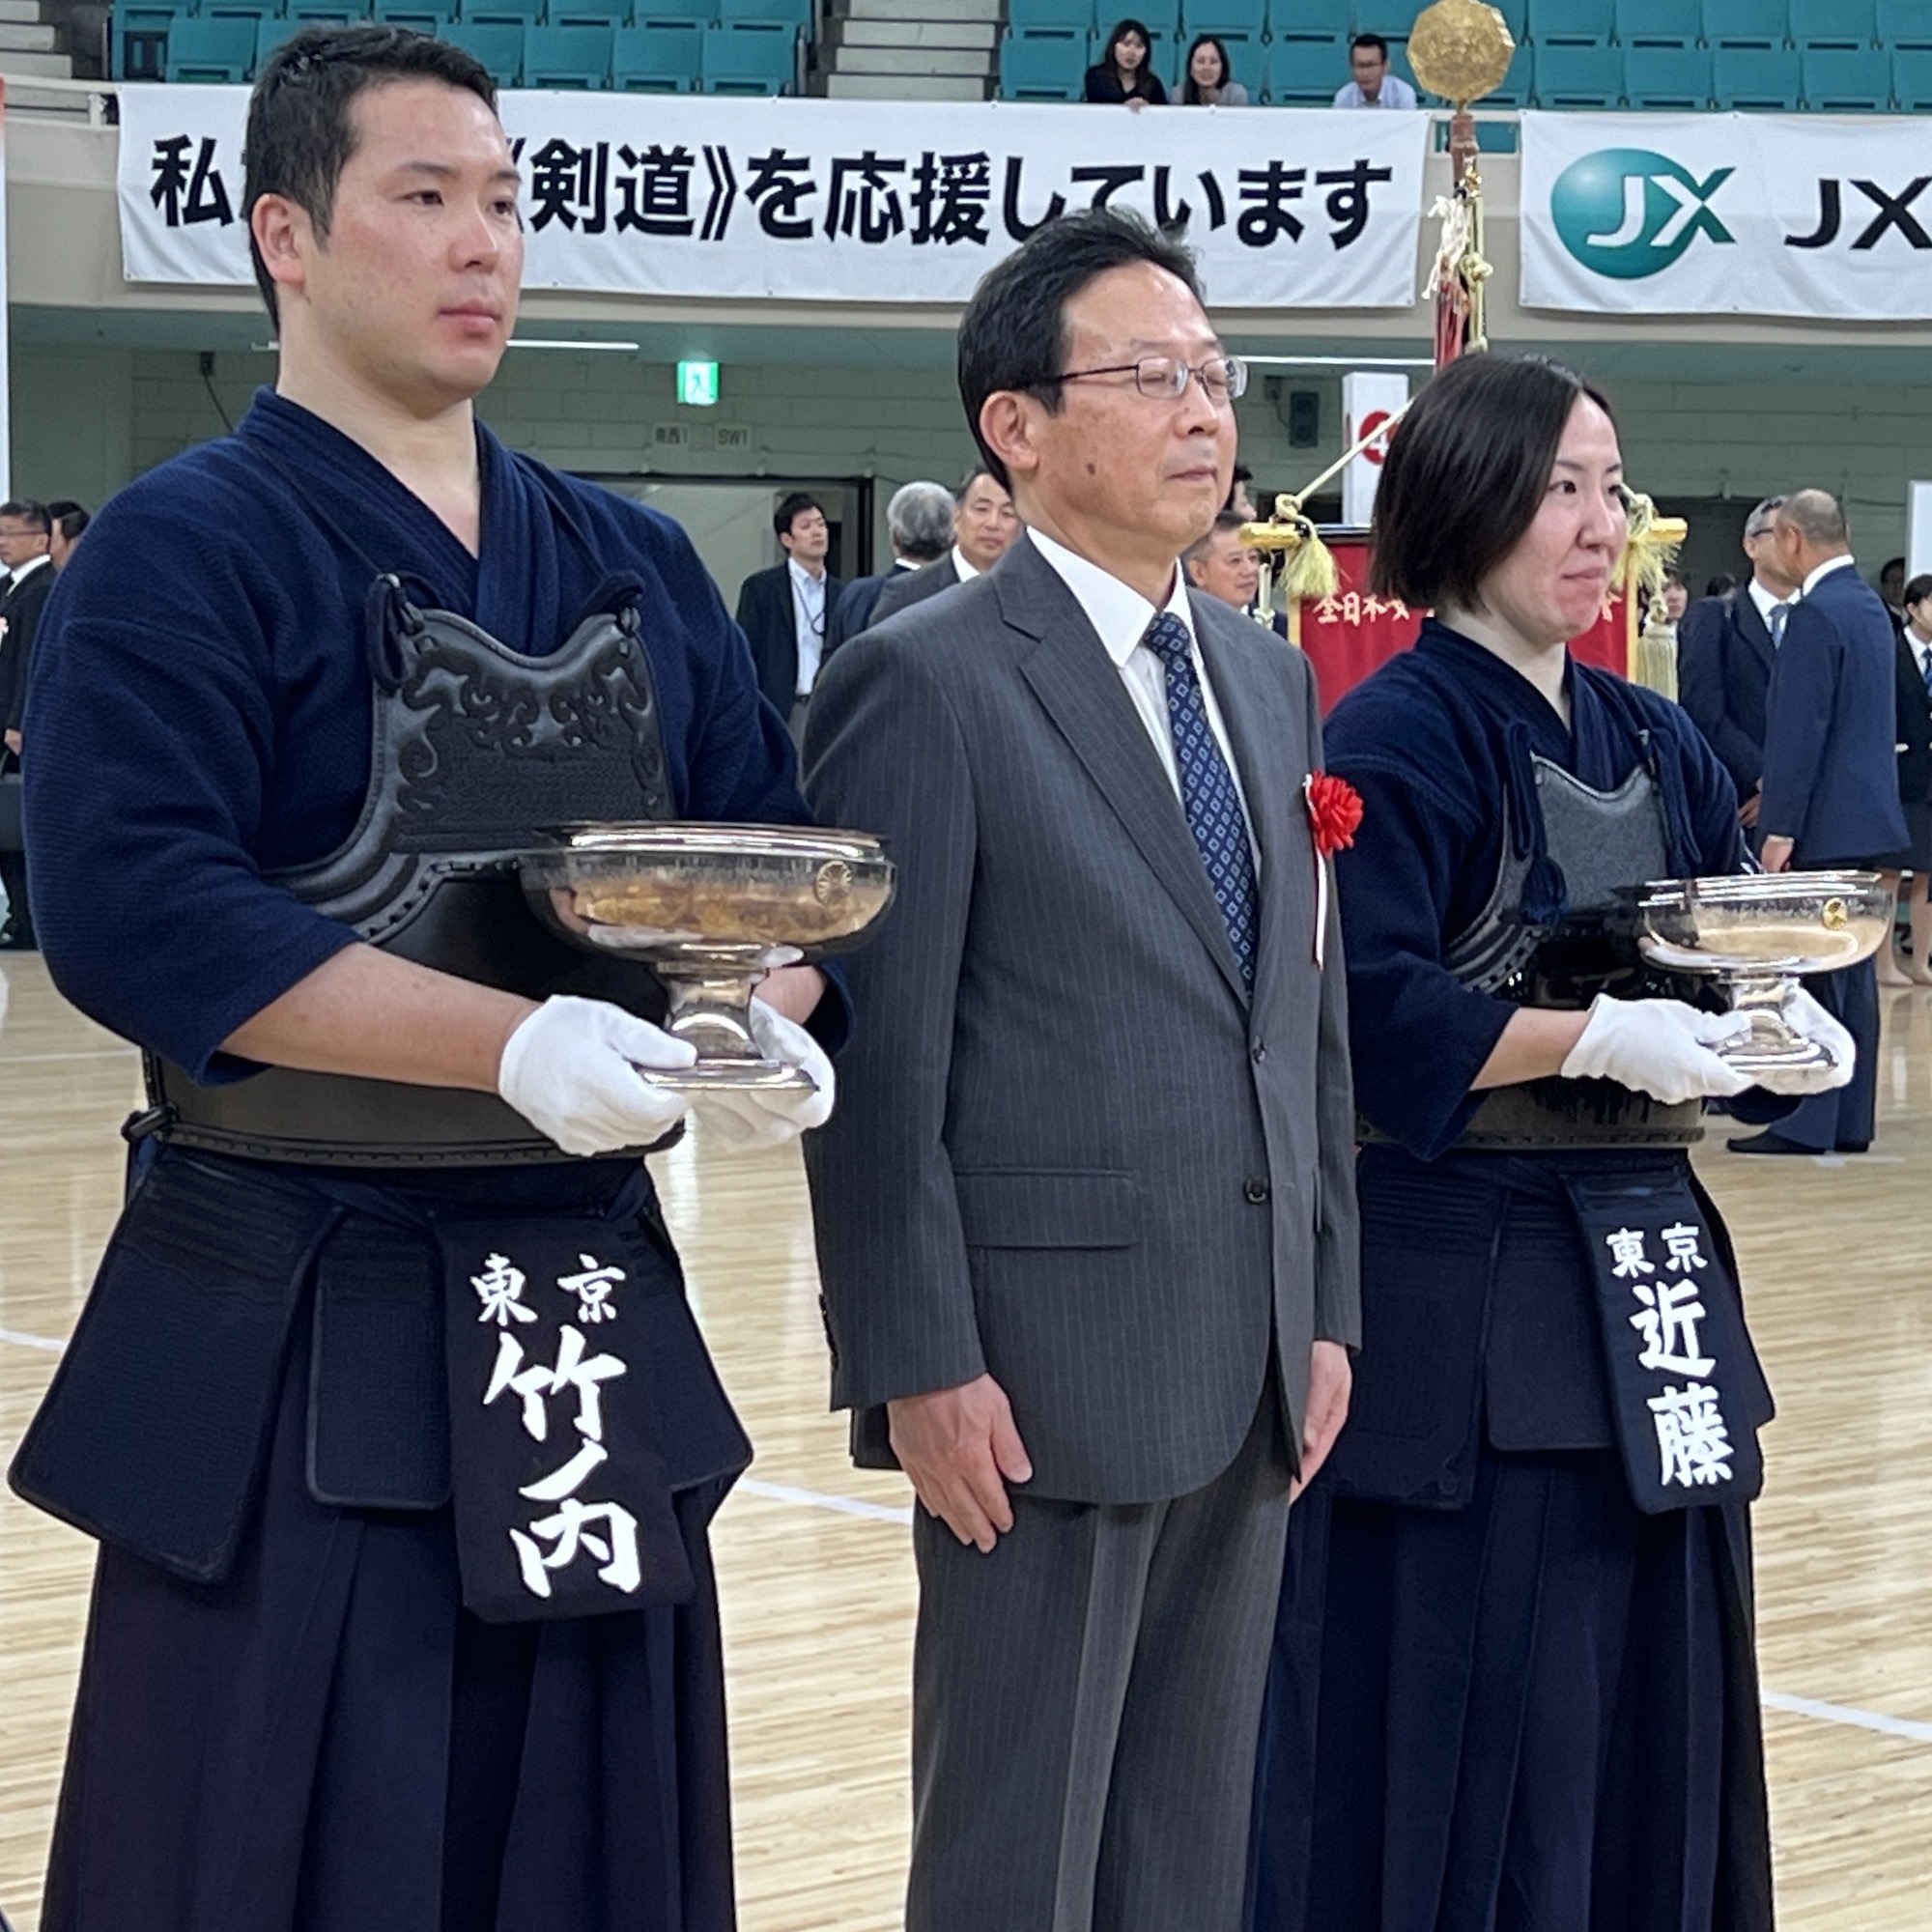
pixel 1086 1217
pixel 1831 783
pixel 984 527
pixel 1222 565
pixel 25 534
pixel 784 611
pixel 919 523
pixel 1725 649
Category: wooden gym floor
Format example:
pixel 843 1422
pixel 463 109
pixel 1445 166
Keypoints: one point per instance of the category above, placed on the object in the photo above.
pixel 815 1566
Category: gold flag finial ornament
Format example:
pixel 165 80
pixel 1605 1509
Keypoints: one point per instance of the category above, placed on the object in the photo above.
pixel 1461 50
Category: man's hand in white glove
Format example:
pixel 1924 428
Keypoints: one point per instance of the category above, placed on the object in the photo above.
pixel 1660 1047
pixel 571 1070
pixel 1804 1015
pixel 757 1117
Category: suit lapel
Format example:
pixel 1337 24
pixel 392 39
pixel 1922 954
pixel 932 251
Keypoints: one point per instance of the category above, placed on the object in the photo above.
pixel 1080 690
pixel 1751 626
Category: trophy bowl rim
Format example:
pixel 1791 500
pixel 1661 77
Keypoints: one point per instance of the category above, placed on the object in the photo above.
pixel 1745 889
pixel 678 840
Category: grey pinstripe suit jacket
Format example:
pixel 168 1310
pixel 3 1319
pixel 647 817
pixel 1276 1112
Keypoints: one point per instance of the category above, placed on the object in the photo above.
pixel 1067 1150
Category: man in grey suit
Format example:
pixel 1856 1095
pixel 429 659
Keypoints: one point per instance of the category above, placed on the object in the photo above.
pixel 983 526
pixel 1086 1217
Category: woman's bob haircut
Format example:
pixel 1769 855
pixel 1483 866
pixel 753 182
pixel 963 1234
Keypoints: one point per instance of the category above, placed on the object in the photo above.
pixel 1466 476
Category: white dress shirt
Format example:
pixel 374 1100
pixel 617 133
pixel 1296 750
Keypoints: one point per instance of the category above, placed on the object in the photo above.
pixel 967 571
pixel 808 607
pixel 1395 92
pixel 1921 652
pixel 1824 569
pixel 1121 615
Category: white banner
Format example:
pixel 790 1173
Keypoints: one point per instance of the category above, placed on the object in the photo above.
pixel 1726 215
pixel 1369 397
pixel 852 200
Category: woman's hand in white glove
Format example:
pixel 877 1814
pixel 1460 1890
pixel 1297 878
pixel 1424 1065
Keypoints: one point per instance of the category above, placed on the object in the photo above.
pixel 1803 1015
pixel 572 1070
pixel 1660 1047
pixel 743 1118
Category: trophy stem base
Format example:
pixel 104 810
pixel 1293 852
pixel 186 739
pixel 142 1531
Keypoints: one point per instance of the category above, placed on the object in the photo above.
pixel 711 1010
pixel 1773 1046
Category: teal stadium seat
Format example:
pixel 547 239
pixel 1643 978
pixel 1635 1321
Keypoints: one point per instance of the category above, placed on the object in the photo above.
pixel 1518 83
pixel 421 18
pixel 1756 24
pixel 210 50
pixel 1318 22
pixel 1578 77
pixel 1847 80
pixel 1160 18
pixel 1516 17
pixel 1304 73
pixel 499 44
pixel 1042 64
pixel 770 12
pixel 1570 24
pixel 673 14
pixel 1077 14
pixel 1770 79
pixel 1904 25
pixel 1911 80
pixel 747 57
pixel 567 57
pixel 140 42
pixel 1226 19
pixel 1838 23
pixel 656 59
pixel 239 10
pixel 491 12
pixel 1668 77
pixel 1660 23
pixel 611 14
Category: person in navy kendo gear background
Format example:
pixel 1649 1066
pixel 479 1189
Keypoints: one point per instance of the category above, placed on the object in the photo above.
pixel 338 1675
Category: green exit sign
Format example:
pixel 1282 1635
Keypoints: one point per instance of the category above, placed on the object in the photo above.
pixel 698 384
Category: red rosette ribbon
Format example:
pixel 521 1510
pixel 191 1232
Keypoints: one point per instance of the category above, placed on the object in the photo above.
pixel 1334 811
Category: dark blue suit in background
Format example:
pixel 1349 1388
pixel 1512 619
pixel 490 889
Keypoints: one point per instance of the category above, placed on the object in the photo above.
pixel 1831 785
pixel 1724 657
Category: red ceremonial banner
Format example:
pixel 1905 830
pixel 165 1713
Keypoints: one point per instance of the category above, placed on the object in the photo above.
pixel 1348 635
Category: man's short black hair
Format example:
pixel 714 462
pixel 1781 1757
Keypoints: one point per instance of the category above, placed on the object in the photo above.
pixel 24 510
pixel 1373 42
pixel 791 509
pixel 300 134
pixel 971 477
pixel 69 516
pixel 1225 524
pixel 1466 474
pixel 1013 333
pixel 1918 590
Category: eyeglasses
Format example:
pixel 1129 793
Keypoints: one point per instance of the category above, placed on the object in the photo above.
pixel 1163 378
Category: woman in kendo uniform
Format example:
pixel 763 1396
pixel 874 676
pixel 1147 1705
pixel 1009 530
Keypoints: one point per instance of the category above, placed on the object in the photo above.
pixel 1514 1687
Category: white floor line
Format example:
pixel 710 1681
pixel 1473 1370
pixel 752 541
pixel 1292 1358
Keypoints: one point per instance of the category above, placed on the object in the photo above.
pixel 1913 1729
pixel 23 1339
pixel 78 1053
pixel 784 1492
pixel 1847 1714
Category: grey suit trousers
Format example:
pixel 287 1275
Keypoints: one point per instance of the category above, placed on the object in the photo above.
pixel 1102 1667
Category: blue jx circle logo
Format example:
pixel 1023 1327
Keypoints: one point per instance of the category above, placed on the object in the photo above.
pixel 1628 213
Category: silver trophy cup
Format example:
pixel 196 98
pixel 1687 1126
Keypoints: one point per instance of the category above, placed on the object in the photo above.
pixel 711 909
pixel 1759 932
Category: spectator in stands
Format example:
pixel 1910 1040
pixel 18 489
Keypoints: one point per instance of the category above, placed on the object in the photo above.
pixel 1676 597
pixel 1124 72
pixel 1892 587
pixel 1241 498
pixel 1373 85
pixel 69 521
pixel 1210 81
pixel 984 524
pixel 783 611
pixel 918 519
pixel 1915 782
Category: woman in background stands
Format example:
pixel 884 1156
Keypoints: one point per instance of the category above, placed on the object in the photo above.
pixel 1122 73
pixel 1211 82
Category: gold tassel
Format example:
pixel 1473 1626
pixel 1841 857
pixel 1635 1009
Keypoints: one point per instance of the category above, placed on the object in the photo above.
pixel 1651 547
pixel 1307 569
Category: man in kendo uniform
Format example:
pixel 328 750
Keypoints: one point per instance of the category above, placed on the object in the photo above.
pixel 386 1406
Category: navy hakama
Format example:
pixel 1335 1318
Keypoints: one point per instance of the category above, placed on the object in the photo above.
pixel 1503 1698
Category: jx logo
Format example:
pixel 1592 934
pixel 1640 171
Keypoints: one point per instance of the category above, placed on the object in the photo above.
pixel 1628 213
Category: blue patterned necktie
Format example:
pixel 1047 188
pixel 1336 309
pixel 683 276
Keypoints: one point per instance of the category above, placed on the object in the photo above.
pixel 1207 791
pixel 1779 614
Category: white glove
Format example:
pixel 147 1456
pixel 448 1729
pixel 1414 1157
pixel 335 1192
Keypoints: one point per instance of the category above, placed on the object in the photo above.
pixel 1660 1047
pixel 743 1118
pixel 571 1070
pixel 1802 1014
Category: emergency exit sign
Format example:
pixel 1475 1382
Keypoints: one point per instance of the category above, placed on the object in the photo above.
pixel 698 384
